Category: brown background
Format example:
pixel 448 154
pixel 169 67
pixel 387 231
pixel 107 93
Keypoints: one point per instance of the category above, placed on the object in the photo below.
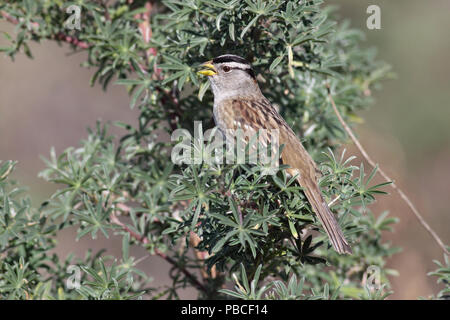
pixel 48 102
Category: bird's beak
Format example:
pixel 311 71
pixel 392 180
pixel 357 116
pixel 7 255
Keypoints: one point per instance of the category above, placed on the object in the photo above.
pixel 209 69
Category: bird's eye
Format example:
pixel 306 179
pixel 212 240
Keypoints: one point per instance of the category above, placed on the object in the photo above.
pixel 226 68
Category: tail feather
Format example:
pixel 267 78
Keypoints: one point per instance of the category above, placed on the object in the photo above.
pixel 327 218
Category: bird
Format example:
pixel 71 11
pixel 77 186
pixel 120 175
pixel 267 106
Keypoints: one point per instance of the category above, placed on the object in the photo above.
pixel 239 103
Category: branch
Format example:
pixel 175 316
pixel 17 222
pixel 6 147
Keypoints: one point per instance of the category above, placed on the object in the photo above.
pixel 72 40
pixel 194 241
pixel 385 176
pixel 8 17
pixel 145 240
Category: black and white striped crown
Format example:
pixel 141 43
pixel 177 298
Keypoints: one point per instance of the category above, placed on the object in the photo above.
pixel 235 62
pixel 230 58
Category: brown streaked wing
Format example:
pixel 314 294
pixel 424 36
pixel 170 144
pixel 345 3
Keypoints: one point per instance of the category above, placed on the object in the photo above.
pixel 262 115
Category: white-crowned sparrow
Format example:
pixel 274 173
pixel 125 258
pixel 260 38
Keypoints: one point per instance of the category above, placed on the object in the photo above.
pixel 239 104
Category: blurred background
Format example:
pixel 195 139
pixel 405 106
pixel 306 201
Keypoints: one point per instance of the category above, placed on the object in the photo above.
pixel 407 131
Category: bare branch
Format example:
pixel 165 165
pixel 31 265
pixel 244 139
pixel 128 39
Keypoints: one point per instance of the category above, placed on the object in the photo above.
pixel 159 253
pixel 385 176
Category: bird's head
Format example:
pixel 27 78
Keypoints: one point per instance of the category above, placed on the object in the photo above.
pixel 231 76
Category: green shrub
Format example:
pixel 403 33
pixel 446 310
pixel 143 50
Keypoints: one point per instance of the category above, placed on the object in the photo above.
pixel 253 231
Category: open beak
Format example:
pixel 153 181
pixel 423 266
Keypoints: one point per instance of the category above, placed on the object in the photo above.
pixel 209 69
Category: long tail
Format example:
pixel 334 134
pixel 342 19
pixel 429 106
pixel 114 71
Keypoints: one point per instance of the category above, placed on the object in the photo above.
pixel 326 217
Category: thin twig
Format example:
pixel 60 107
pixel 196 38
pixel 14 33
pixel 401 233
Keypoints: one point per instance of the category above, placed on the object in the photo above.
pixel 143 239
pixel 8 17
pixel 194 241
pixel 72 40
pixel 385 176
